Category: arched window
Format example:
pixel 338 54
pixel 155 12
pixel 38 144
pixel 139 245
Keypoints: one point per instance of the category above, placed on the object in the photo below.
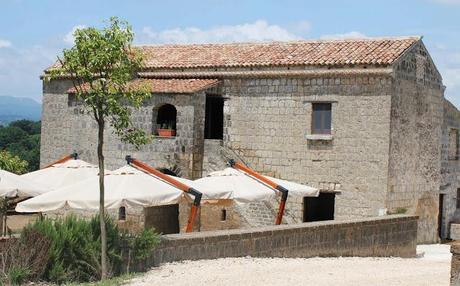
pixel 166 120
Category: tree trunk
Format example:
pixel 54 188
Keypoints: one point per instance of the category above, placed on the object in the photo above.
pixel 100 156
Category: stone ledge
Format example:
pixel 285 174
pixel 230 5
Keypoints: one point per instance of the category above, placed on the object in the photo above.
pixel 319 137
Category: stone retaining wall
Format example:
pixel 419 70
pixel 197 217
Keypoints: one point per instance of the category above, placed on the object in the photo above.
pixel 455 264
pixel 379 236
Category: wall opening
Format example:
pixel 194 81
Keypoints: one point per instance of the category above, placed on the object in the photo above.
pixel 166 121
pixel 440 215
pixel 223 215
pixel 122 213
pixel 319 208
pixel 168 172
pixel 164 219
pixel 214 117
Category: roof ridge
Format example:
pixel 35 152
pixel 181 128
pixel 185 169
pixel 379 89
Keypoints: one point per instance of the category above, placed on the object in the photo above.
pixel 363 39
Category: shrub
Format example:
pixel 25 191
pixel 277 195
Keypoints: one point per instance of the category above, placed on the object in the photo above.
pixel 18 275
pixel 24 258
pixel 75 247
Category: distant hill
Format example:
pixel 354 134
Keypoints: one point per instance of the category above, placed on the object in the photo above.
pixel 15 108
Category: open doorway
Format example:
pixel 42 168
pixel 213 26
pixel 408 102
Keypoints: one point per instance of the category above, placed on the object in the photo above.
pixel 164 219
pixel 214 117
pixel 440 215
pixel 319 208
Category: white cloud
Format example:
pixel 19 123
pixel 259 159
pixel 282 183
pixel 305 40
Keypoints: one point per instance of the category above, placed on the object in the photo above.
pixel 20 69
pixel 69 37
pixel 447 60
pixel 349 35
pixel 451 78
pixel 447 2
pixel 260 30
pixel 4 44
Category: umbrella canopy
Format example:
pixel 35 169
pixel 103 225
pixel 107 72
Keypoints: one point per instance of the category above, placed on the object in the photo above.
pixel 126 186
pixel 208 191
pixel 64 174
pixel 245 188
pixel 242 187
pixel 12 185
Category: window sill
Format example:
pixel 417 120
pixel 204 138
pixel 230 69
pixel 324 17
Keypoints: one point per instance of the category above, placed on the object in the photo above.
pixel 319 137
pixel 163 137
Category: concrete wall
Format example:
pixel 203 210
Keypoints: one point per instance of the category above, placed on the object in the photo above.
pixel 416 119
pixel 383 236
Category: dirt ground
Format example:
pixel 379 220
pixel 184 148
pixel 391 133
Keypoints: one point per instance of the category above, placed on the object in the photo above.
pixel 431 267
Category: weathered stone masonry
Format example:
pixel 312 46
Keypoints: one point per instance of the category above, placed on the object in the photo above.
pixel 383 153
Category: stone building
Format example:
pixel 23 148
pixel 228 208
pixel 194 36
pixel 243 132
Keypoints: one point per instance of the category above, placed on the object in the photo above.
pixel 359 116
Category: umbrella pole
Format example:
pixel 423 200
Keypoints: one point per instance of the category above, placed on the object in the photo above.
pixel 63 159
pixel 175 183
pixel 270 183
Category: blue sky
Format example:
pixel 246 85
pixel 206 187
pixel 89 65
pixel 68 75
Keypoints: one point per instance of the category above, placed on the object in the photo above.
pixel 32 33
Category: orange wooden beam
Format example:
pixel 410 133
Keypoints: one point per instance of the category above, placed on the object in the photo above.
pixel 63 159
pixel 263 179
pixel 181 186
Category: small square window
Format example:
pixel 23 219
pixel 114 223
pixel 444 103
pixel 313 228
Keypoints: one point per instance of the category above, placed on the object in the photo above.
pixel 321 122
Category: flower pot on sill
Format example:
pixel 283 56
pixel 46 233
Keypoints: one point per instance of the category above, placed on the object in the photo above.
pixel 166 132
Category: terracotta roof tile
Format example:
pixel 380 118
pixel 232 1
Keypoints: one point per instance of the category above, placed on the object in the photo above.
pixel 381 51
pixel 169 85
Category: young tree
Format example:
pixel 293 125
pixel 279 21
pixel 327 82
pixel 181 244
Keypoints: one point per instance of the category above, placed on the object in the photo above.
pixel 102 65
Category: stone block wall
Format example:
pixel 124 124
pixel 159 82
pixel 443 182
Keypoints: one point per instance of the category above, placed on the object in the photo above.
pixel 266 122
pixel 450 171
pixel 383 236
pixel 67 127
pixel 414 171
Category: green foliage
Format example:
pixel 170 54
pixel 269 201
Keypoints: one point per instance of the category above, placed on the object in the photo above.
pixel 75 247
pixel 74 254
pixel 22 138
pixel 18 275
pixel 12 163
pixel 102 64
pixel 143 244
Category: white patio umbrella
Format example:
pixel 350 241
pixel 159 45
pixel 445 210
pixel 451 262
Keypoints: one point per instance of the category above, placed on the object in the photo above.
pixel 208 191
pixel 242 187
pixel 12 185
pixel 63 174
pixel 126 186
pixel 245 188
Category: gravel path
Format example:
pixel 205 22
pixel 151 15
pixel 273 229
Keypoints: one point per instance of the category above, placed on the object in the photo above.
pixel 432 267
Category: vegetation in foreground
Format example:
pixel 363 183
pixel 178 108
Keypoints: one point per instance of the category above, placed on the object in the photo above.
pixel 102 65
pixel 68 250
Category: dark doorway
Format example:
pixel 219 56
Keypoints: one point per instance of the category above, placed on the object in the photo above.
pixel 164 219
pixel 214 118
pixel 440 214
pixel 319 208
